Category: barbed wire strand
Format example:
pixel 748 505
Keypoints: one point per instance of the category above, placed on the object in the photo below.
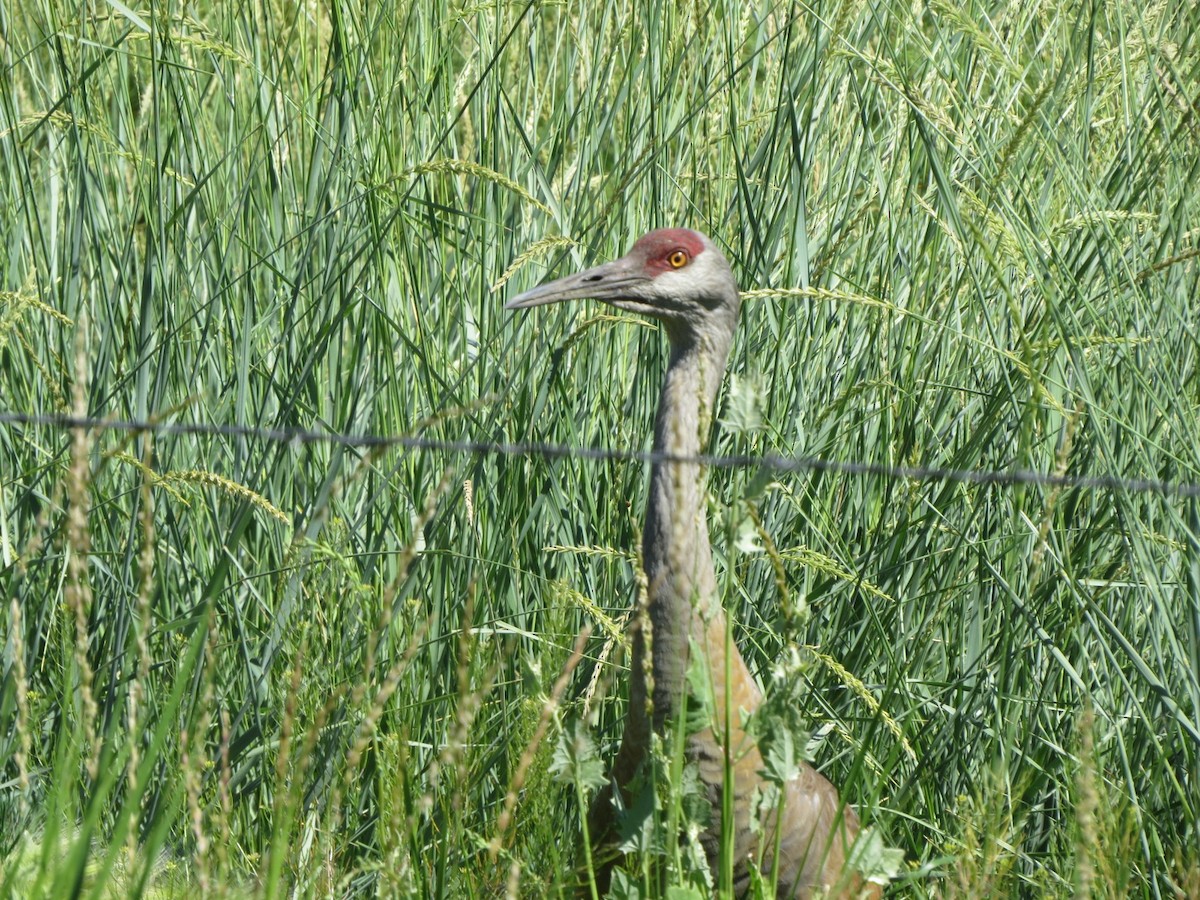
pixel 771 462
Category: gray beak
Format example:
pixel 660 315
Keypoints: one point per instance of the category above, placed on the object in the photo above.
pixel 611 281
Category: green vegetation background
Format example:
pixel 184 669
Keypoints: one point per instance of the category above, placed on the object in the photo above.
pixel 241 665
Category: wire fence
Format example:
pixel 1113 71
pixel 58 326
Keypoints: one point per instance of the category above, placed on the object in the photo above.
pixel 770 462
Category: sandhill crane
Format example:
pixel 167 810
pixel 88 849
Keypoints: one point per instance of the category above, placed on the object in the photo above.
pixel 681 279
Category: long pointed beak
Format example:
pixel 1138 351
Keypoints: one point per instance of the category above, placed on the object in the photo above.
pixel 611 281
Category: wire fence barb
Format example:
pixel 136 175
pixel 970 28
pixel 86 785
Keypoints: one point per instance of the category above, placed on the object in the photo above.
pixel 771 462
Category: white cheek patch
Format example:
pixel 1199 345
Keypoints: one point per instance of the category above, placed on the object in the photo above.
pixel 676 282
pixel 690 282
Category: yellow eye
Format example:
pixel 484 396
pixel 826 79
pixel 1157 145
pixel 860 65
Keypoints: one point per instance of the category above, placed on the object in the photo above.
pixel 678 259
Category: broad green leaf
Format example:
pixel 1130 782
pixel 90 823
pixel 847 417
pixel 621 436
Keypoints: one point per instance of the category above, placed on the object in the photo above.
pixel 575 759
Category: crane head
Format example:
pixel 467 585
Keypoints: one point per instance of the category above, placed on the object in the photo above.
pixel 674 274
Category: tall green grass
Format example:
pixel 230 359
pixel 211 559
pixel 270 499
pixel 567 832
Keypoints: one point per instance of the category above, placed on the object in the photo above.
pixel 255 667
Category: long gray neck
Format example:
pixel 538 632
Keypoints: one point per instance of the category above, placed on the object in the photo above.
pixel 681 584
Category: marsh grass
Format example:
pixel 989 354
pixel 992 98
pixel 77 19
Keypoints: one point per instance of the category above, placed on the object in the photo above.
pixel 249 667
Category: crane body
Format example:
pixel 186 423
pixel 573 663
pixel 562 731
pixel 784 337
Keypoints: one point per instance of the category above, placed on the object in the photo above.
pixel 681 279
